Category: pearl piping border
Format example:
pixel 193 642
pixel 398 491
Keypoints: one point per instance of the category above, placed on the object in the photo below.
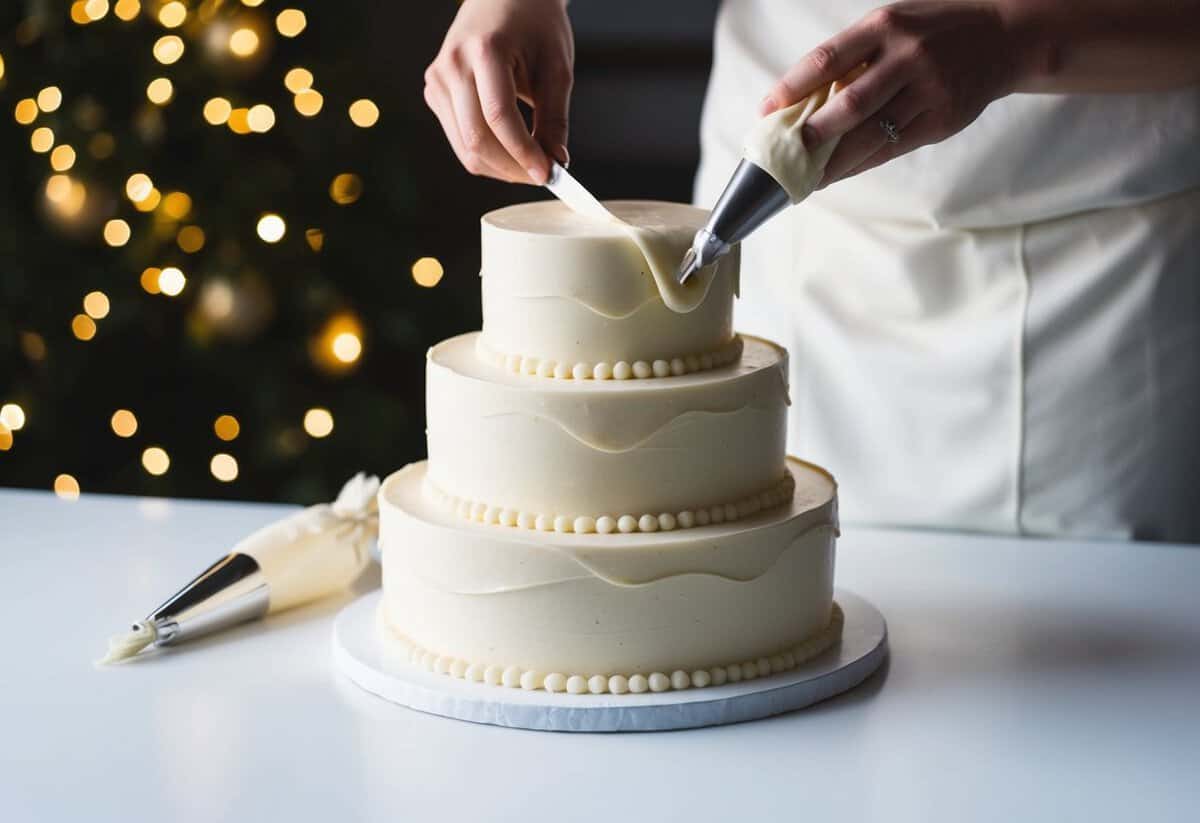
pixel 604 370
pixel 480 512
pixel 557 682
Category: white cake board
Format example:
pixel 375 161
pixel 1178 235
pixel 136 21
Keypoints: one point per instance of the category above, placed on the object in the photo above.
pixel 361 651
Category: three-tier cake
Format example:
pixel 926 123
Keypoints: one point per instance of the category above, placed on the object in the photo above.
pixel 607 506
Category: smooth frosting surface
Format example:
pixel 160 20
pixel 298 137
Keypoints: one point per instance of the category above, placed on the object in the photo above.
pixel 589 447
pixel 561 286
pixel 595 604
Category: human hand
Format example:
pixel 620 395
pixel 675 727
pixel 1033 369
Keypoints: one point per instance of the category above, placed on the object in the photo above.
pixel 495 53
pixel 933 66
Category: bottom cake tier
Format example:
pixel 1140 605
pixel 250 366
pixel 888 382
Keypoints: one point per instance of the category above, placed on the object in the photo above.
pixel 609 613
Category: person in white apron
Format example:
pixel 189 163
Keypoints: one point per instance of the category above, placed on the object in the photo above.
pixel 997 331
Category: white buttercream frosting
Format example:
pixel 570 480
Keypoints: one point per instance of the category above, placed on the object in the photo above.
pixel 567 289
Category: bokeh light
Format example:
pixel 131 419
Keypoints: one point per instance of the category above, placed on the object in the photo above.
pixel 346 347
pixel 171 281
pixel 364 113
pixel 227 427
pixel 177 205
pixel 116 232
pixel 138 187
pixel 260 118
pixel 6 438
pixel 290 22
pixel 124 423
pixel 96 305
pixel 309 102
pixel 271 228
pixel 156 461
pixel 298 79
pixel 149 280
pixel 173 14
pixel 168 49
pixel 26 111
pixel 224 467
pixel 160 91
pixel 49 99
pixel 190 239
pixel 66 487
pixel 318 422
pixel 13 416
pixel 83 327
pixel 345 189
pixel 127 9
pixel 62 158
pixel 427 272
pixel 243 42
pixel 216 111
pixel 42 140
pixel 95 9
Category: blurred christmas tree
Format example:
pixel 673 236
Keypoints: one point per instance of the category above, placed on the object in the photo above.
pixel 213 280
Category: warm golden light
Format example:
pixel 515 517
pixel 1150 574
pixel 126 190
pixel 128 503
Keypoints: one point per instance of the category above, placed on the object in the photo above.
pixel 124 423
pixel 42 140
pixel 127 9
pixel 49 99
pixel 227 427
pixel 216 111
pixel 252 3
pixel 309 102
pixel 224 467
pixel 318 422
pixel 171 281
pixel 150 202
pixel 271 228
pixel 66 487
pixel 290 22
pixel 160 91
pixel 34 346
pixel 1 67
pixel 168 49
pixel 364 113
pixel 177 205
pixel 102 145
pixel 149 280
pixel 116 232
pixel 58 188
pixel 95 9
pixel 79 13
pixel 172 14
pixel 427 272
pixel 239 122
pixel 346 347
pixel 62 158
pixel 315 238
pixel 12 416
pixel 345 189
pixel 6 438
pixel 26 111
pixel 83 327
pixel 156 461
pixel 138 187
pixel 190 239
pixel 260 118
pixel 96 305
pixel 298 79
pixel 243 42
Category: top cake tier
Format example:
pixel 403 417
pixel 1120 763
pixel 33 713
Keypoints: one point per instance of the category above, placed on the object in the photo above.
pixel 565 294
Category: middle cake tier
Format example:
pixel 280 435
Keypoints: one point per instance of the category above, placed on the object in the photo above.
pixel 535 447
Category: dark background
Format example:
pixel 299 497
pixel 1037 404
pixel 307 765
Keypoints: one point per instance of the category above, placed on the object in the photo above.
pixel 641 69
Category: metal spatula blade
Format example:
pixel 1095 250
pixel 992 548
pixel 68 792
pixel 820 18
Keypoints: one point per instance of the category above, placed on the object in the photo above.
pixel 569 190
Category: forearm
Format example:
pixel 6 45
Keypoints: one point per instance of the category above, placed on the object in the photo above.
pixel 1104 45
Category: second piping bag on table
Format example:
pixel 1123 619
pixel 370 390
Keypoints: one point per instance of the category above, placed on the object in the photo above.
pixel 776 170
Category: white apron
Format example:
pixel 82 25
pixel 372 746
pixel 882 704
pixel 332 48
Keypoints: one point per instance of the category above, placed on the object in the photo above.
pixel 998 333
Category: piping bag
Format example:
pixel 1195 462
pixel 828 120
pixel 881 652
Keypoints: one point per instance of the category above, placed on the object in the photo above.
pixel 302 558
pixel 776 170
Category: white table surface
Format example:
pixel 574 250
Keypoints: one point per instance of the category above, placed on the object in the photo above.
pixel 1029 680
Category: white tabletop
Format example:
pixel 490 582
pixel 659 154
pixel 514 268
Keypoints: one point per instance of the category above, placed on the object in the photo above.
pixel 1029 680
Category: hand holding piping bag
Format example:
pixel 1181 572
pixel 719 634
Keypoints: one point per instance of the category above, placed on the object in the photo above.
pixel 304 557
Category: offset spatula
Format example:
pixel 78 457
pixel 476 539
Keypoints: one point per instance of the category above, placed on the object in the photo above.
pixel 569 190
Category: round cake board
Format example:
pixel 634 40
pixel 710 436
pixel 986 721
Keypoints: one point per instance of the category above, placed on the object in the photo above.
pixel 363 652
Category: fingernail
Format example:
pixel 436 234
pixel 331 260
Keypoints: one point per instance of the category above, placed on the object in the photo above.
pixel 809 135
pixel 766 105
pixel 537 175
pixel 563 156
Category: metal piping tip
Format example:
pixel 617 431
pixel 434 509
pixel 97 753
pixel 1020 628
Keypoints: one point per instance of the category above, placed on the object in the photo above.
pixel 689 266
